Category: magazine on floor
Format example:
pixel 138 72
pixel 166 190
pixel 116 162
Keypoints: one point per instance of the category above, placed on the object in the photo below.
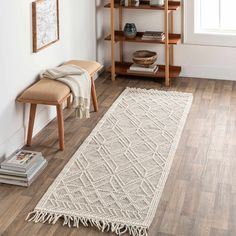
pixel 22 168
pixel 21 160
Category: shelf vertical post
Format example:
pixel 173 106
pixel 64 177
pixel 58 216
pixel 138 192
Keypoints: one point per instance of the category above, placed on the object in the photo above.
pixel 113 69
pixel 167 55
pixel 172 31
pixel 121 28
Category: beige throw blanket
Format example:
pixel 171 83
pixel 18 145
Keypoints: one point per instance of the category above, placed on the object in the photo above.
pixel 79 82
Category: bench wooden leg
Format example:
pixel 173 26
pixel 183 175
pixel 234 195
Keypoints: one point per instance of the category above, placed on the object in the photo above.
pixel 94 96
pixel 31 123
pixel 69 102
pixel 60 120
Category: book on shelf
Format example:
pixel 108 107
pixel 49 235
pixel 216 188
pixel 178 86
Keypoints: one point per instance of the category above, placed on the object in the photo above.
pixel 153 35
pixel 153 38
pixel 142 72
pixel 11 171
pixel 134 68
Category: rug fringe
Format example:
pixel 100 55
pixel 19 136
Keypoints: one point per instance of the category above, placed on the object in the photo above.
pixel 74 221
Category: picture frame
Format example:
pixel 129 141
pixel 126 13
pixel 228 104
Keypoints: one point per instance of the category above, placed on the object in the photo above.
pixel 45 23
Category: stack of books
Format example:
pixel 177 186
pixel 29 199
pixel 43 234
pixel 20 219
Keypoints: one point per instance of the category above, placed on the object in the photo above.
pixel 153 35
pixel 22 168
pixel 134 68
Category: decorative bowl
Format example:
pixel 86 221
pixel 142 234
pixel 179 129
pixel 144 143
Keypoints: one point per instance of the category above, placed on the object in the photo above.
pixel 144 58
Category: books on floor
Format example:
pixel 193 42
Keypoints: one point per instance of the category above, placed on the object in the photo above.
pixel 22 167
pixel 153 35
pixel 134 68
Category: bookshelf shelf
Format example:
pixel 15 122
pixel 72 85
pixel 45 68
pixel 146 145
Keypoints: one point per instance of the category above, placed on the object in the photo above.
pixel 119 36
pixel 123 67
pixel 144 5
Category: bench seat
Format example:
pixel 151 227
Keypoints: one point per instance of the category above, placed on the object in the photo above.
pixel 52 92
pixel 45 91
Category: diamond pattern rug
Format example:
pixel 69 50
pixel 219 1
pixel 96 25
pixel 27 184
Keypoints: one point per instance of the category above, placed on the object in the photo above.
pixel 115 179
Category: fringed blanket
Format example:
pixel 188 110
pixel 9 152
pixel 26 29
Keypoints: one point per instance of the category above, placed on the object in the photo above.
pixel 79 82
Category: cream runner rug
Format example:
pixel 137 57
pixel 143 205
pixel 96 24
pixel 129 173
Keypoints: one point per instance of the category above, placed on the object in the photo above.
pixel 115 179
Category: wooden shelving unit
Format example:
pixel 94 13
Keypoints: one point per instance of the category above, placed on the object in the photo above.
pixel 166 71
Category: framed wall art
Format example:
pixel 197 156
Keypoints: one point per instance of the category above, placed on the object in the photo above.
pixel 45 23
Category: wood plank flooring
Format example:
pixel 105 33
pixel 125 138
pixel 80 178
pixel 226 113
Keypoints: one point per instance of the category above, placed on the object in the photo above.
pixel 200 195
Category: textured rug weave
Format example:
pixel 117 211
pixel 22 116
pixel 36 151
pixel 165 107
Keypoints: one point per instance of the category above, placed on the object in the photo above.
pixel 115 179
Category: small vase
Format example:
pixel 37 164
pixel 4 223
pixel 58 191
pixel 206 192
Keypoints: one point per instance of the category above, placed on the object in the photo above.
pixel 130 30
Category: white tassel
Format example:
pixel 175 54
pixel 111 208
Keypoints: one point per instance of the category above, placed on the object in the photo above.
pixel 118 228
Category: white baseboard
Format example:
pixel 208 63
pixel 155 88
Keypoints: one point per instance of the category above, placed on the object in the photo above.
pixel 206 72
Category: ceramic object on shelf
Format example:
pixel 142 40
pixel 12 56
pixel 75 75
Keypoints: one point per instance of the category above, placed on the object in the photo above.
pixel 137 3
pixel 158 3
pixel 130 30
pixel 144 58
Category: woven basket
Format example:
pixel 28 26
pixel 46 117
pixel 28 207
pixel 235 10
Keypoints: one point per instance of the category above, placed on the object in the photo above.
pixel 144 58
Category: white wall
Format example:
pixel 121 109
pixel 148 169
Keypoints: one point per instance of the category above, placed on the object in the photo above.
pixel 196 61
pixel 19 66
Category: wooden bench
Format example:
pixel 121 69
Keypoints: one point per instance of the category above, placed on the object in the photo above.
pixel 55 93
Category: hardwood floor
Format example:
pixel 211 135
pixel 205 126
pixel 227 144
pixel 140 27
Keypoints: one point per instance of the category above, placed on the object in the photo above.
pixel 200 195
